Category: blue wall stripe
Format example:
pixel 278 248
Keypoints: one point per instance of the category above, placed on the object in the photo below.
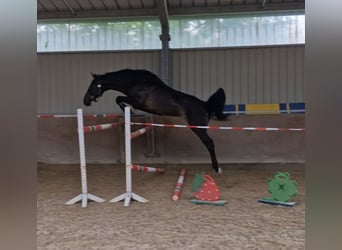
pixel 284 108
pixel 242 107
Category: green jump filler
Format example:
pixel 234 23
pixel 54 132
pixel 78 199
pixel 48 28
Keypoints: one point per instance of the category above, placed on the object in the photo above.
pixel 282 190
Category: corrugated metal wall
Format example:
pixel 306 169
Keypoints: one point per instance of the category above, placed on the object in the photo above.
pixel 64 78
pixel 248 75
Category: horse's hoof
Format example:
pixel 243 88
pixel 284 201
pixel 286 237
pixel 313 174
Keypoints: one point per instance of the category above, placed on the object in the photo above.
pixel 219 171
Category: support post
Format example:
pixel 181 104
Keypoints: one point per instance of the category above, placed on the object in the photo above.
pixel 84 196
pixel 164 57
pixel 151 141
pixel 128 195
pixel 165 38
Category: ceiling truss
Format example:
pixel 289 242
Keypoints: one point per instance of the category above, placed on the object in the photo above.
pixel 78 9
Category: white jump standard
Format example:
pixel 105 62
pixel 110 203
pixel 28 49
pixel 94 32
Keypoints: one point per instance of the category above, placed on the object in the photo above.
pixel 129 195
pixel 84 196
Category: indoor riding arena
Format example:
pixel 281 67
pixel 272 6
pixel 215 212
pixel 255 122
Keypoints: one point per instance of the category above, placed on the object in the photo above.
pixel 118 171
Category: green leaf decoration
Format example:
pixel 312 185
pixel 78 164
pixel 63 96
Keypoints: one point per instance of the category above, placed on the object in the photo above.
pixel 291 188
pixel 272 186
pixel 196 184
pixel 281 187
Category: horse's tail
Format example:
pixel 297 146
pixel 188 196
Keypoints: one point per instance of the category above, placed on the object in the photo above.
pixel 215 104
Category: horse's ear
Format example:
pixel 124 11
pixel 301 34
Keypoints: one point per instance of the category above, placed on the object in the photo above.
pixel 94 75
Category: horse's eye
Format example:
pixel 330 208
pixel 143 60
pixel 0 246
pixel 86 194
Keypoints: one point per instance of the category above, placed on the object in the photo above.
pixel 99 85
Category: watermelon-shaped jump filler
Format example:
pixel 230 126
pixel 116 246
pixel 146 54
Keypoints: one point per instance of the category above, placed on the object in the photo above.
pixel 205 191
pixel 282 190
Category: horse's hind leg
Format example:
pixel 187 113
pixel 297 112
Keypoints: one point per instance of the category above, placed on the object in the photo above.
pixel 196 117
pixel 209 143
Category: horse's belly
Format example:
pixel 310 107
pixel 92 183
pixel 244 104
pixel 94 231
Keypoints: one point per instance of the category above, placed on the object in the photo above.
pixel 163 107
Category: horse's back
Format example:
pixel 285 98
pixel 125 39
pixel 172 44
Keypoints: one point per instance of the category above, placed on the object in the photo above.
pixel 163 100
pixel 156 97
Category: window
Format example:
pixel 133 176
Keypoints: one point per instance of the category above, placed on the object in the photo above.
pixel 234 30
pixel 186 32
pixel 98 35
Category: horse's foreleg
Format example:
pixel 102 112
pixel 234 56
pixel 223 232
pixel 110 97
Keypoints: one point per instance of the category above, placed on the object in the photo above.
pixel 122 101
pixel 209 143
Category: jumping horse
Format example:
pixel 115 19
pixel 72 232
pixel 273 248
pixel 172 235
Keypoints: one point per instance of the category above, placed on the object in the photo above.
pixel 144 91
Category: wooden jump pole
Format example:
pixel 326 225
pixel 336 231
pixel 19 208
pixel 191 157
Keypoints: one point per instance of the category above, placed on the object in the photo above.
pixel 179 185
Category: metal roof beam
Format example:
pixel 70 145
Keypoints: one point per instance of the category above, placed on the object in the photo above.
pixel 42 5
pixel 163 12
pixel 69 7
pixel 236 8
pixel 98 14
pixel 263 3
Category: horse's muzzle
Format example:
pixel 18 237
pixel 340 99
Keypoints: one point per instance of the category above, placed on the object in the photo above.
pixel 87 101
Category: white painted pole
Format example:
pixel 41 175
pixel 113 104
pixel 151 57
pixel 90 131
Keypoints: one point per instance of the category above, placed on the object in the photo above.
pixel 82 150
pixel 128 154
pixel 129 195
pixel 84 196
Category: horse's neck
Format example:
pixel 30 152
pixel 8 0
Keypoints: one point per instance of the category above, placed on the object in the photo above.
pixel 117 85
pixel 124 84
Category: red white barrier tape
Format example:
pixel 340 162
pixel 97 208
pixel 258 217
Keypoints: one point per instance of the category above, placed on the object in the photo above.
pixel 109 115
pixel 103 116
pixel 100 127
pixel 85 116
pixel 139 132
pixel 217 127
pixel 54 116
pixel 179 185
pixel 146 169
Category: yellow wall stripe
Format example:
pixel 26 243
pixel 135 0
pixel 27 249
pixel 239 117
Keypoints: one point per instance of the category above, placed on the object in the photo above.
pixel 262 109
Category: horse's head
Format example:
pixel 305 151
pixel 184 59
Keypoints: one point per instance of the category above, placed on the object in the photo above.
pixel 94 91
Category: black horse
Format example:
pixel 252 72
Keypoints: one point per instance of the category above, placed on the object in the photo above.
pixel 146 92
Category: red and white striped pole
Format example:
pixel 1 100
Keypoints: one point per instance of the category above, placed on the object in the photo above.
pixel 147 169
pixel 140 132
pixel 93 128
pixel 179 185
